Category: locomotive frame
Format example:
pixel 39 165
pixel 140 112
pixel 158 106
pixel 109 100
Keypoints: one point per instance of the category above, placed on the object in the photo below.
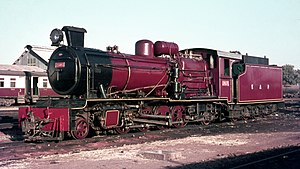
pixel 110 91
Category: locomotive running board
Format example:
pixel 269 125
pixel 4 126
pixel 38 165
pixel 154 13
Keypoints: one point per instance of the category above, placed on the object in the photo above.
pixel 198 100
pixel 153 99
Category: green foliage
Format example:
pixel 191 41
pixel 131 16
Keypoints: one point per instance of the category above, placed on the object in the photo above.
pixel 289 75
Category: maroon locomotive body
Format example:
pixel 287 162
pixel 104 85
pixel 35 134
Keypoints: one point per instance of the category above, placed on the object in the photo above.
pixel 260 83
pixel 159 87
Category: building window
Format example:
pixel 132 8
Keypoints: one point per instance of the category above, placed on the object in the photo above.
pixel 45 83
pixel 1 82
pixel 31 62
pixel 12 82
pixel 226 67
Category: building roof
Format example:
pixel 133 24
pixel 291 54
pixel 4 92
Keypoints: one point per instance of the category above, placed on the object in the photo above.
pixel 42 53
pixel 20 70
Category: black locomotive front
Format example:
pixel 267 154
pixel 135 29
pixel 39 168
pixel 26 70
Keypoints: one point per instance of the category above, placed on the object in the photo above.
pixel 71 67
pixel 65 72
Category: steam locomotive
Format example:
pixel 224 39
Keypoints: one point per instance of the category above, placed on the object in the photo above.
pixel 159 86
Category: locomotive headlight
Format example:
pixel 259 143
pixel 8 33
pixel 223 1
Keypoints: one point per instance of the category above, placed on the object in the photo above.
pixel 56 37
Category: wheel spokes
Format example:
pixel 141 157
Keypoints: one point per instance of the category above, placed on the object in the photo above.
pixel 82 129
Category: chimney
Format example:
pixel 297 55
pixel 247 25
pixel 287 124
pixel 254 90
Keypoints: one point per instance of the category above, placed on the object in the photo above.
pixel 74 35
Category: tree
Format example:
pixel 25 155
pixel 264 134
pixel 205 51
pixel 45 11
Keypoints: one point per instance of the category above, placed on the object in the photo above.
pixel 289 75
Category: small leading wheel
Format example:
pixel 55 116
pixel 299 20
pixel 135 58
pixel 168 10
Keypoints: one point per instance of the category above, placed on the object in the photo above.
pixel 143 129
pixel 205 122
pixel 81 129
pixel 206 118
pixel 246 113
pixel 122 130
pixel 179 125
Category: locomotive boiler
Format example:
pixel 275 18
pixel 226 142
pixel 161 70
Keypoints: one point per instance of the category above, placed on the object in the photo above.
pixel 157 87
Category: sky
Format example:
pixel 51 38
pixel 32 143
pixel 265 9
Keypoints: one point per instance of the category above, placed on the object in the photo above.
pixel 258 27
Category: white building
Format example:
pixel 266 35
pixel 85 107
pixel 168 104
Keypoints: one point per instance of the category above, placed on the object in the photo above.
pixel 35 56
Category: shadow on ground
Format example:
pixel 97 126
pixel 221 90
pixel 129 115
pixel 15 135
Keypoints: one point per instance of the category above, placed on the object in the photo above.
pixel 9 126
pixel 279 158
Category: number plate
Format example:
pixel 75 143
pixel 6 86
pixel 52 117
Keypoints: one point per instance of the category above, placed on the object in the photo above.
pixel 59 65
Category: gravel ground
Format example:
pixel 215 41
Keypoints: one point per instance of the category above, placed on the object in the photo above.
pixel 193 149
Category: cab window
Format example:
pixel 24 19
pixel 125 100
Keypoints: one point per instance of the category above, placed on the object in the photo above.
pixel 226 67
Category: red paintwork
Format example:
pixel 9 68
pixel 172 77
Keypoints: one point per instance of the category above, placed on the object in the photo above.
pixel 145 73
pixel 144 48
pixel 60 65
pixel 165 48
pixel 226 88
pixel 162 110
pixel 11 92
pixel 194 74
pixel 112 118
pixel 225 82
pixel 260 83
pixel 139 72
pixel 47 92
pixel 59 117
